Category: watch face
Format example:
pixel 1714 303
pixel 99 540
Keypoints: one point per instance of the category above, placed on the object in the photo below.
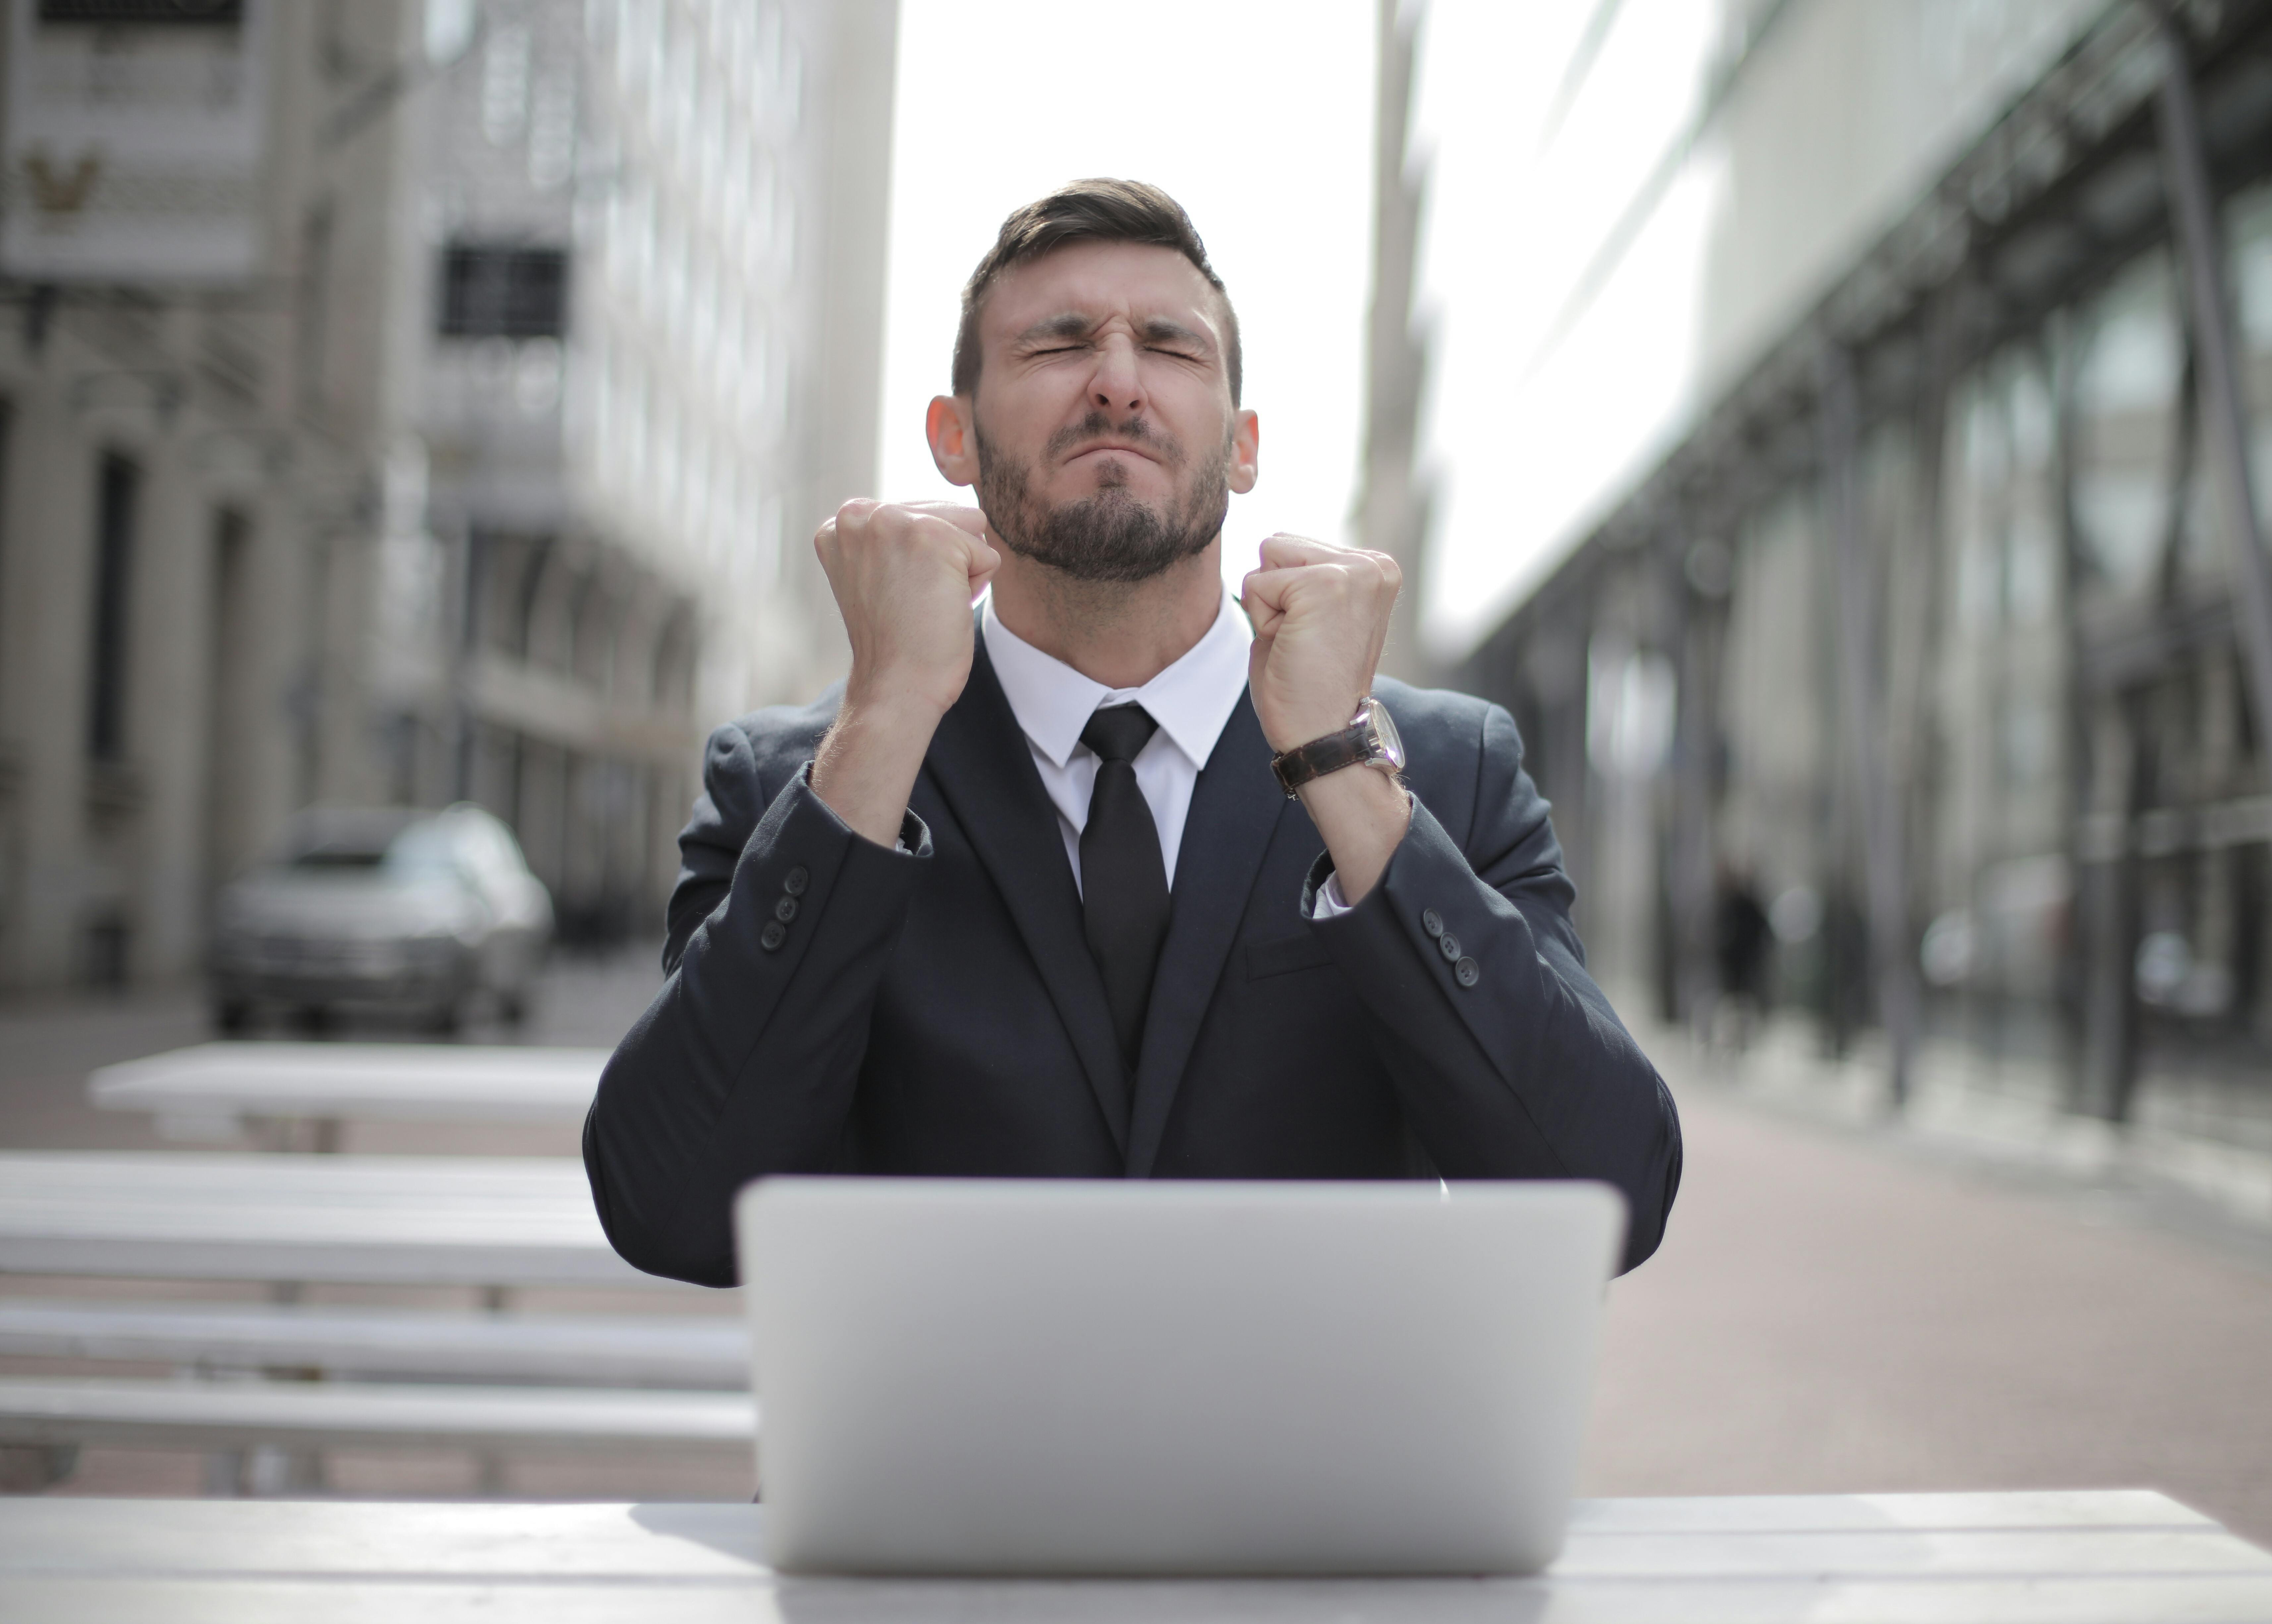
pixel 1383 729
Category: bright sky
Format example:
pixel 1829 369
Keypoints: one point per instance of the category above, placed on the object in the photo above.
pixel 1527 448
pixel 1258 118
pixel 1258 115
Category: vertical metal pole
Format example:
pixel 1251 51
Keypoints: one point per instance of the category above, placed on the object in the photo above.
pixel 1566 753
pixel 2110 1021
pixel 1880 806
pixel 1695 896
pixel 2193 207
pixel 2096 973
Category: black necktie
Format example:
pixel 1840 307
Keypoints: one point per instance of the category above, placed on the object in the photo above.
pixel 1123 885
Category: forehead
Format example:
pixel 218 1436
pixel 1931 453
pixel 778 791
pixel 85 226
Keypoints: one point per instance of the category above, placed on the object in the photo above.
pixel 1102 280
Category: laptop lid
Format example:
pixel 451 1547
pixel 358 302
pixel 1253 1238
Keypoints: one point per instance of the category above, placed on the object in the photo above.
pixel 1062 1376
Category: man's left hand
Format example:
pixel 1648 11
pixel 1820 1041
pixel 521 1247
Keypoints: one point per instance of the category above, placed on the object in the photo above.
pixel 1320 615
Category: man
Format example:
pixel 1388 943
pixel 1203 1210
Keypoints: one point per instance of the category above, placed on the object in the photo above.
pixel 1026 896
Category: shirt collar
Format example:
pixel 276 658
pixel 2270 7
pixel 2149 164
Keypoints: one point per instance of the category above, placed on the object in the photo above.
pixel 1192 700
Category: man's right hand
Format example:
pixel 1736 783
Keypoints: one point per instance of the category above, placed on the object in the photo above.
pixel 904 576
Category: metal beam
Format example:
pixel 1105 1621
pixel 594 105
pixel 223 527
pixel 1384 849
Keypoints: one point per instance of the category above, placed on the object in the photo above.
pixel 1880 806
pixel 2193 208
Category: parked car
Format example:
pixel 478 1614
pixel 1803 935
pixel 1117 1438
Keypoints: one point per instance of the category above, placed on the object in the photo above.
pixel 383 909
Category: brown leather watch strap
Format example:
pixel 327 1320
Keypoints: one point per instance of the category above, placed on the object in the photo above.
pixel 1350 747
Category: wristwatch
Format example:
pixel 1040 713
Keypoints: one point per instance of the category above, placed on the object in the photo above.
pixel 1368 740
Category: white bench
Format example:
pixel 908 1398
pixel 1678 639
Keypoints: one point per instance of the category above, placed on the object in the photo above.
pixel 215 1089
pixel 490 1224
pixel 585 1349
pixel 45 1411
pixel 396 1220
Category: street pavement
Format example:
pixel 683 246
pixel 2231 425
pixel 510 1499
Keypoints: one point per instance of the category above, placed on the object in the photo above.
pixel 1835 1308
pixel 1840 1310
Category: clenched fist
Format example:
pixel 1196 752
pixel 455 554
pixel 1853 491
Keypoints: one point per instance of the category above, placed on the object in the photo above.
pixel 1321 616
pixel 905 576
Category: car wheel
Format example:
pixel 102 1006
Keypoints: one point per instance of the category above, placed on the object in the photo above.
pixel 448 1017
pixel 512 1005
pixel 232 1015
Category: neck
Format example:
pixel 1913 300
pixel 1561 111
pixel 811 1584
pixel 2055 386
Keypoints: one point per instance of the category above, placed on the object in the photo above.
pixel 1119 633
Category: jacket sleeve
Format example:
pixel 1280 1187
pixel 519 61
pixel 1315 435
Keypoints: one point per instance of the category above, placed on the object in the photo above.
pixel 1508 1058
pixel 782 925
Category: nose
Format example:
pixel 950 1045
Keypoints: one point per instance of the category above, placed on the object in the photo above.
pixel 1117 386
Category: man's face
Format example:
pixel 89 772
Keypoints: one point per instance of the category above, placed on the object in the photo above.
pixel 1102 434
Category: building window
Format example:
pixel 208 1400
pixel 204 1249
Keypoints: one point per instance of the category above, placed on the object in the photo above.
pixel 142 13
pixel 312 295
pixel 117 487
pixel 505 293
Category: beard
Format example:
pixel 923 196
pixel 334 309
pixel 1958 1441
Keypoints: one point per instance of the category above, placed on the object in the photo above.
pixel 1114 534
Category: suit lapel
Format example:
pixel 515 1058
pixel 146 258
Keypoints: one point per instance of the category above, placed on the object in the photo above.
pixel 1235 808
pixel 984 772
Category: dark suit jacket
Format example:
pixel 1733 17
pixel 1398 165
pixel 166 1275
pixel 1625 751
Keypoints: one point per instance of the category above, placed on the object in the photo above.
pixel 936 1011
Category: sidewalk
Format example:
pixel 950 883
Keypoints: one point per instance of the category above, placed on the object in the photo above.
pixel 1976 1299
pixel 2176 1165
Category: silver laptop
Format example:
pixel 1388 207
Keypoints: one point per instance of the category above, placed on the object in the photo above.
pixel 1042 1376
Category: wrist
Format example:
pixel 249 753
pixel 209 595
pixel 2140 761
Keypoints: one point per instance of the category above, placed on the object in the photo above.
pixel 866 766
pixel 1380 797
pixel 1364 816
pixel 1293 730
pixel 886 709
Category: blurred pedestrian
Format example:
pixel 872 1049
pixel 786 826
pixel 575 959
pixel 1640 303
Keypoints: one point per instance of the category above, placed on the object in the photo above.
pixel 1742 940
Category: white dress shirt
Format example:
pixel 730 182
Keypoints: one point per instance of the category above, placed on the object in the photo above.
pixel 1191 700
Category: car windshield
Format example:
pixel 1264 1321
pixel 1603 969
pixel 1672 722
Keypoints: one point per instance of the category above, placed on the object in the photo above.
pixel 424 851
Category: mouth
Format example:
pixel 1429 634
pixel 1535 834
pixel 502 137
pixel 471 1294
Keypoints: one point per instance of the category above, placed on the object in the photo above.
pixel 1108 448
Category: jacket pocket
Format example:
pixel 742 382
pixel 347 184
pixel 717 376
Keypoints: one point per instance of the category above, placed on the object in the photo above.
pixel 1284 955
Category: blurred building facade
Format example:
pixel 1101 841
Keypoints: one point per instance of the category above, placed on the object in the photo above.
pixel 1392 506
pixel 649 300
pixel 408 402
pixel 1923 681
pixel 187 368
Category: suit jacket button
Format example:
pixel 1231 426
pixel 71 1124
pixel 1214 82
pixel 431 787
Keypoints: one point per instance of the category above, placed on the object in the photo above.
pixel 796 880
pixel 1431 921
pixel 785 910
pixel 1466 973
pixel 776 933
pixel 1448 945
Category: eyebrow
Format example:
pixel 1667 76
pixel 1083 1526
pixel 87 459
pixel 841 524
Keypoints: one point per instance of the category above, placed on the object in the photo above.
pixel 1159 328
pixel 1072 324
pixel 1154 329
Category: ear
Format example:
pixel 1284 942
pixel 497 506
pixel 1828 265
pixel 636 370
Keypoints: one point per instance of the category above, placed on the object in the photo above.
pixel 954 434
pixel 1245 451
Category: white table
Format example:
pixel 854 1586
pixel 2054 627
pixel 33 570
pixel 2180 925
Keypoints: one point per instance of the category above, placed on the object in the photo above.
pixel 214 1088
pixel 2122 1557
pixel 398 1220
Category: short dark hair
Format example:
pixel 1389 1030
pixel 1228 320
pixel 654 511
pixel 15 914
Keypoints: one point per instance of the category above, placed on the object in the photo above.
pixel 1098 210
